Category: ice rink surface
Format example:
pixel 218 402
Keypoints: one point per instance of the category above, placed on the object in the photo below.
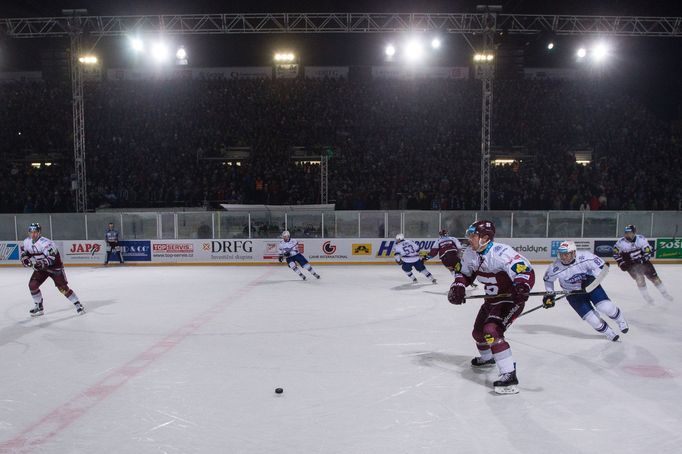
pixel 186 360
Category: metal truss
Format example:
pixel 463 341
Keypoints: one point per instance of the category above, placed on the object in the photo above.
pixel 207 24
pixel 324 179
pixel 78 124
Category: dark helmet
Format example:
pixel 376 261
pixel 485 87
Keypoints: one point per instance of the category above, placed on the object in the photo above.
pixel 34 227
pixel 442 233
pixel 482 228
pixel 630 228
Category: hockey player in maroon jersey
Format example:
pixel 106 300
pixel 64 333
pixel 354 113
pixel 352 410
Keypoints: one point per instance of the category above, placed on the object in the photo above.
pixel 503 272
pixel 42 255
pixel 447 248
pixel 633 255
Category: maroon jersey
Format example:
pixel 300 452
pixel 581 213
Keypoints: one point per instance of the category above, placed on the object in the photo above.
pixel 42 249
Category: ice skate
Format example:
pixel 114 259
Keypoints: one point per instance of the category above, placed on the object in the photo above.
pixel 611 334
pixel 37 310
pixel 623 326
pixel 507 384
pixel 80 310
pixel 480 362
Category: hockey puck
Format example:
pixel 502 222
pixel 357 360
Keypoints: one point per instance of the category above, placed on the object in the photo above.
pixel 279 390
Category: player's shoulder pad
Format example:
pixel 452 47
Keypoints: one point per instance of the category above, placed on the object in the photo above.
pixel 520 267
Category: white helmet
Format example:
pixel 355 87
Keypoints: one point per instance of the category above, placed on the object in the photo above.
pixel 567 247
pixel 286 234
pixel 400 237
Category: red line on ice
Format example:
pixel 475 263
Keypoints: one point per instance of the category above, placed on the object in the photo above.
pixel 66 414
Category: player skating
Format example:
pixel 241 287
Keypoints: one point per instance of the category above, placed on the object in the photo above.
pixel 408 257
pixel 42 254
pixel 575 271
pixel 503 272
pixel 633 254
pixel 111 238
pixel 288 249
pixel 447 248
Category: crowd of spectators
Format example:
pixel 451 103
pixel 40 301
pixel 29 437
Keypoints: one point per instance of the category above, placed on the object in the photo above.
pixel 396 145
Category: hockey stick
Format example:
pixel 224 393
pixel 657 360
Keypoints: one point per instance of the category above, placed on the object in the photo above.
pixel 509 295
pixel 593 285
pixel 542 305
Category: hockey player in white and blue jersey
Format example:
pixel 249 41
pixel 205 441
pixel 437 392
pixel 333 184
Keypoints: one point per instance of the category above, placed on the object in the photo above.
pixel 575 271
pixel 408 257
pixel 288 249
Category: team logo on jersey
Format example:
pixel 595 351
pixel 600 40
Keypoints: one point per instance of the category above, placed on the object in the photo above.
pixel 328 248
pixel 362 249
pixel 519 267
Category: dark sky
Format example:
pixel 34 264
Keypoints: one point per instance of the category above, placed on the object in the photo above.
pixel 644 64
pixel 611 7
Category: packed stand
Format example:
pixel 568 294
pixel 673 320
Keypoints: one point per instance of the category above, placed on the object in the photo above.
pixel 396 145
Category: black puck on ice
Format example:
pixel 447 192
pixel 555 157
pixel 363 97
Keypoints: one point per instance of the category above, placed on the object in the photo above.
pixel 279 390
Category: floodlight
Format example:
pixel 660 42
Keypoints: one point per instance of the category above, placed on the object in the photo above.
pixel 87 59
pixel 413 50
pixel 136 44
pixel 435 43
pixel 581 52
pixel 550 45
pixel 600 52
pixel 390 50
pixel 160 52
pixel 181 54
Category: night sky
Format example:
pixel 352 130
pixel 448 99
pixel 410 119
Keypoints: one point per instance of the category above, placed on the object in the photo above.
pixel 649 66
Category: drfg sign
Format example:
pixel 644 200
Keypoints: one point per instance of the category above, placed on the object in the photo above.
pixel 229 249
pixel 230 246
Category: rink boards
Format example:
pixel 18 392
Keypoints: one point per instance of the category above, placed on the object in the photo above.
pixel 317 250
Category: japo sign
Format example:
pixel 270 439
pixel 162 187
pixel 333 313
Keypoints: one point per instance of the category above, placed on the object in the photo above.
pixel 669 248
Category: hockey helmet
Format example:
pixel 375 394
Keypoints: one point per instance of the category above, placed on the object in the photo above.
pixel 482 228
pixel 630 232
pixel 567 251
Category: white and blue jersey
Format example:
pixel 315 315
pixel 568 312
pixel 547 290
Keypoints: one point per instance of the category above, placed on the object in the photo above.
pixel 289 249
pixel 407 252
pixel 585 267
pixel 572 276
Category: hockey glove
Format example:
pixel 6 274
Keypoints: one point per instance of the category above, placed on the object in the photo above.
pixel 42 264
pixel 587 280
pixel 548 300
pixel 287 254
pixel 280 258
pixel 424 255
pixel 520 292
pixel 457 293
pixel 623 265
pixel 26 260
